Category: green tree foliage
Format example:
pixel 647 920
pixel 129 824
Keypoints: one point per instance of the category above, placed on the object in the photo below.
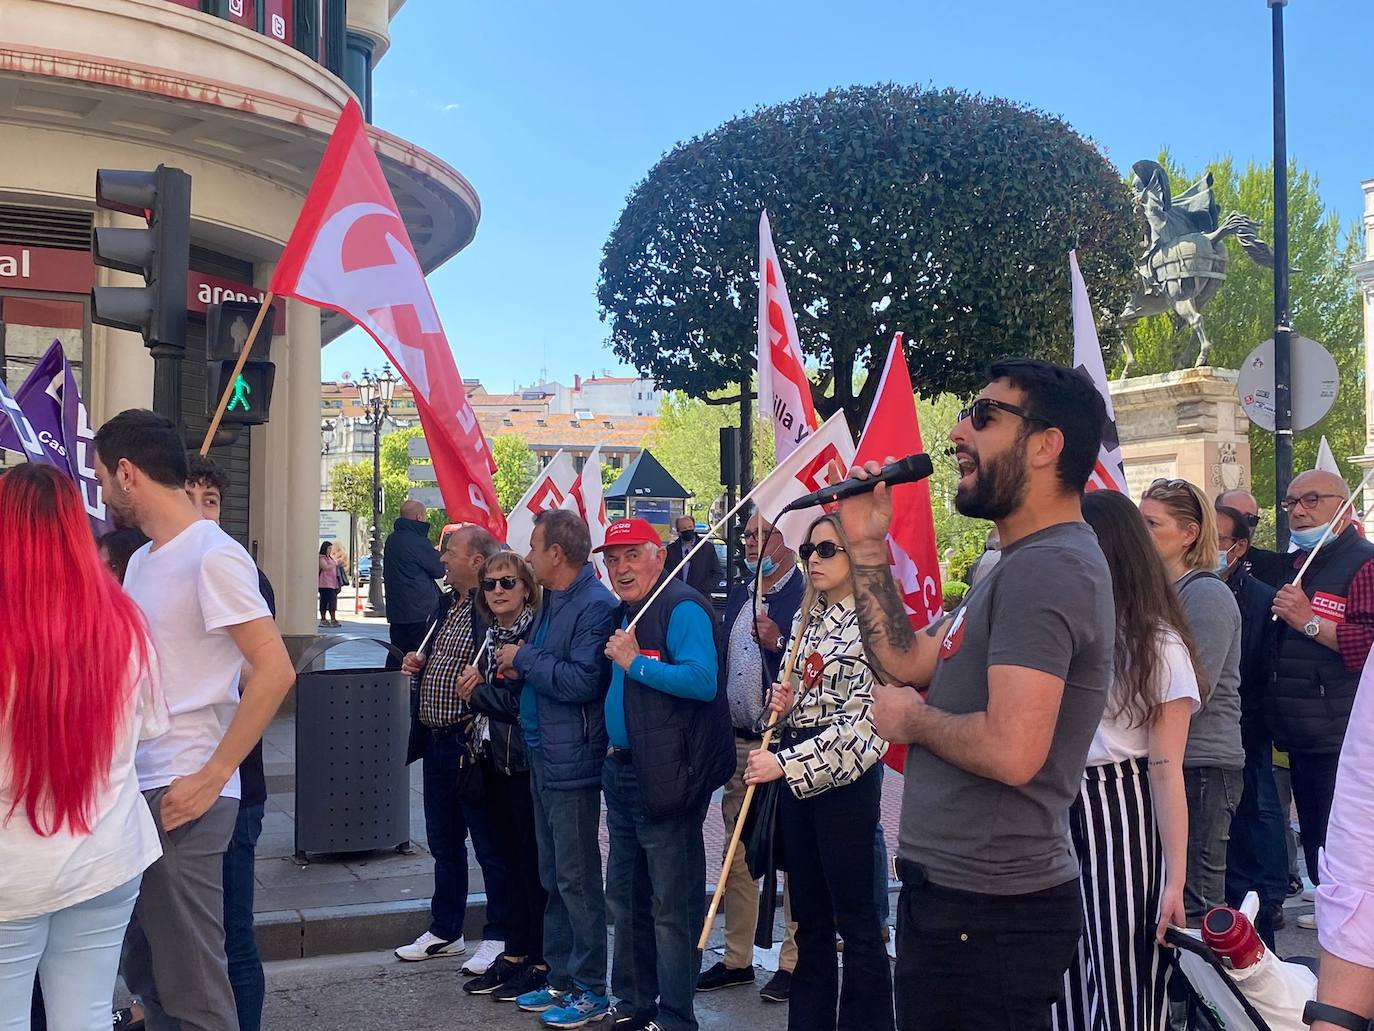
pixel 516 468
pixel 609 475
pixel 946 215
pixel 1323 302
pixel 958 538
pixel 687 443
pixel 350 489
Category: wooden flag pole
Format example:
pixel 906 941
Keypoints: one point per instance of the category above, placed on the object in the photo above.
pixel 238 368
pixel 744 806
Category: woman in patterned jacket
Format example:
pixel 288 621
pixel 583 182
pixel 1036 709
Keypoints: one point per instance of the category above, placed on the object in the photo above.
pixel 828 759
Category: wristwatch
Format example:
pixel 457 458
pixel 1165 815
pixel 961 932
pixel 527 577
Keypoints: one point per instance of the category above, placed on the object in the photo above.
pixel 1312 627
pixel 781 645
pixel 1315 1011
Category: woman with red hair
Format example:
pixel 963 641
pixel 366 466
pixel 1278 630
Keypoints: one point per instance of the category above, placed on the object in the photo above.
pixel 78 692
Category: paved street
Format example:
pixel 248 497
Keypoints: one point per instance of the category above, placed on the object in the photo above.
pixel 374 992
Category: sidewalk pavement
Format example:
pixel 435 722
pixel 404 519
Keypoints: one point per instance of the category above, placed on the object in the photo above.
pixel 378 900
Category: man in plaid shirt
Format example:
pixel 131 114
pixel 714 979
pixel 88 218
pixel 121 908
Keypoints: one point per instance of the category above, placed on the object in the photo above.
pixel 441 733
pixel 1324 640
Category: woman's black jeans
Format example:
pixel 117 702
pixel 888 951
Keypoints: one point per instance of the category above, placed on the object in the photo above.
pixel 828 843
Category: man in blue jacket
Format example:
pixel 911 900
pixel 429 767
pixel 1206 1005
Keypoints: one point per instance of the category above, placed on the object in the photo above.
pixel 671 747
pixel 410 571
pixel 565 674
pixel 751 655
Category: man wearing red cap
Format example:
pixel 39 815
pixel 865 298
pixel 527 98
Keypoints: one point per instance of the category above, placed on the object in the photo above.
pixel 671 746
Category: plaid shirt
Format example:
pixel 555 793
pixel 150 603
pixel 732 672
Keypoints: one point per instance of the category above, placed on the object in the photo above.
pixel 449 654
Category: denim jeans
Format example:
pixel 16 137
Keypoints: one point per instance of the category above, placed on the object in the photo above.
pixel 448 822
pixel 974 962
pixel 1257 858
pixel 240 943
pixel 75 952
pixel 1213 795
pixel 656 895
pixel 567 826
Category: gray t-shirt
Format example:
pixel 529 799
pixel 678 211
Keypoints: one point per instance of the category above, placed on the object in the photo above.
pixel 1046 605
pixel 1214 618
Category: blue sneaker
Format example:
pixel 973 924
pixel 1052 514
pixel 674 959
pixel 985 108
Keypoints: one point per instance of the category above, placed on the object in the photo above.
pixel 577 1009
pixel 540 999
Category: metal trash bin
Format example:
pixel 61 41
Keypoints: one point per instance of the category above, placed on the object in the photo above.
pixel 352 785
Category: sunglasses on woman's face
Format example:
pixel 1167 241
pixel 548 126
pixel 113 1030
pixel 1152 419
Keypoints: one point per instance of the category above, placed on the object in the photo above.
pixel 507 583
pixel 825 549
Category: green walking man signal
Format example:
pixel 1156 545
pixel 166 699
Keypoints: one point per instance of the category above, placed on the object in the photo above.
pixel 251 396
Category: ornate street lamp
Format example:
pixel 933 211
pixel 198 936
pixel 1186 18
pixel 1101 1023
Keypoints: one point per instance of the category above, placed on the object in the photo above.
pixel 375 391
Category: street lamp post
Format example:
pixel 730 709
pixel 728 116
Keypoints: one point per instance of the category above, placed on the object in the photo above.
pixel 1283 332
pixel 374 394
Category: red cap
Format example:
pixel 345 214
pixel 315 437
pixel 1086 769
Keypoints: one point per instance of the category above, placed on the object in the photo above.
pixel 630 531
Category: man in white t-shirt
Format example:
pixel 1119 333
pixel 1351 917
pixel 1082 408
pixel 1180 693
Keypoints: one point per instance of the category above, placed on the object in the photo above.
pixel 199 591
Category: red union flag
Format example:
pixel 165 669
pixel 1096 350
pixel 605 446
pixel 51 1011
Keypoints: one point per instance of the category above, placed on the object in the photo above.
pixel 784 390
pixel 550 488
pixel 806 469
pixel 350 251
pixel 1108 473
pixel 893 429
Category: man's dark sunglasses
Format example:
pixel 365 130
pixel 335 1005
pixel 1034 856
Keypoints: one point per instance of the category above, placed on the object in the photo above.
pixel 507 583
pixel 825 549
pixel 979 412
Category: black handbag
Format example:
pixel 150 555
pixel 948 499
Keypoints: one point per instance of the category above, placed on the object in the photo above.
pixel 763 854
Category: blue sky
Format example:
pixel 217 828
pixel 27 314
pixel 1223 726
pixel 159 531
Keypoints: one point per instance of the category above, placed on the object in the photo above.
pixel 555 110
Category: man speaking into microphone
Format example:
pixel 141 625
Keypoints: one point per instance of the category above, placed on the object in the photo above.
pixel 990 912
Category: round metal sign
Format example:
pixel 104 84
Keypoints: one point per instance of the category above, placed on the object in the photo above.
pixel 1315 382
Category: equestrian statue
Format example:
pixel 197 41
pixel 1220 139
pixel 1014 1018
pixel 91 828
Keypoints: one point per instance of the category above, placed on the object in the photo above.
pixel 1184 263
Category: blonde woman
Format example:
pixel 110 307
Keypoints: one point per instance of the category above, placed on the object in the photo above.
pixel 829 812
pixel 1184 530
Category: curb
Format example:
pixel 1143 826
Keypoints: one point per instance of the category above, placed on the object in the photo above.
pixel 368 927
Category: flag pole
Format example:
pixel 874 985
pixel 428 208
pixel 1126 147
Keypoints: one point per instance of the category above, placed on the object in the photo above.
pixel 705 540
pixel 744 806
pixel 238 368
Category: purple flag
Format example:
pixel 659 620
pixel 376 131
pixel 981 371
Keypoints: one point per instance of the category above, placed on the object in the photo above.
pixel 54 419
pixel 79 441
pixel 40 397
pixel 18 427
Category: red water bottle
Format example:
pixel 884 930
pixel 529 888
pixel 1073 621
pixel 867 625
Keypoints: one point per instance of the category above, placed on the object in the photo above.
pixel 1229 934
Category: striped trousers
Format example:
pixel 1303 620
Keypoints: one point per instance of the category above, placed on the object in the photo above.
pixel 1117 979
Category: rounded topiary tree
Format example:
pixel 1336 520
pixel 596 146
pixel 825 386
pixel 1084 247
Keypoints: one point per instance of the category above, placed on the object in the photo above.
pixel 945 215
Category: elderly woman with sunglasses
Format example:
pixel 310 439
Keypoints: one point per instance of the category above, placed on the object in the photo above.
pixel 1184 530
pixel 506 599
pixel 827 816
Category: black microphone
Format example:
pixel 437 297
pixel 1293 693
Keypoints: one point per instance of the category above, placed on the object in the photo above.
pixel 906 470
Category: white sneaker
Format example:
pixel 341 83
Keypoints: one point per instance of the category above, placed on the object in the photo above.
pixel 1309 894
pixel 1308 921
pixel 430 946
pixel 484 957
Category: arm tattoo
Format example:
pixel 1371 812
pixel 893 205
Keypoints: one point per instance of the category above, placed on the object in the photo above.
pixel 883 622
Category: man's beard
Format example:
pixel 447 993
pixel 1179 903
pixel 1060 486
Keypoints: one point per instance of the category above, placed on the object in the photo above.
pixel 121 511
pixel 999 485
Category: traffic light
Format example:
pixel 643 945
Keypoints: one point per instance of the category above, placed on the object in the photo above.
pixel 160 253
pixel 250 398
pixel 227 324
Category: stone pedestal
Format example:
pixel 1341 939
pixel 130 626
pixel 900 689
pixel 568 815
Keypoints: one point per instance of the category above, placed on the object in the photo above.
pixel 1186 425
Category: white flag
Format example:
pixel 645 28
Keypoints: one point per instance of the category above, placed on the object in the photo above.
pixel 585 499
pixel 784 390
pixel 1108 473
pixel 1326 461
pixel 549 489
pixel 806 469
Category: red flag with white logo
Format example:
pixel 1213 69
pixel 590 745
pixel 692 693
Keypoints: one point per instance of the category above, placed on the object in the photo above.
pixel 350 252
pixel 1108 473
pixel 806 469
pixel 784 390
pixel 550 489
pixel 893 429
